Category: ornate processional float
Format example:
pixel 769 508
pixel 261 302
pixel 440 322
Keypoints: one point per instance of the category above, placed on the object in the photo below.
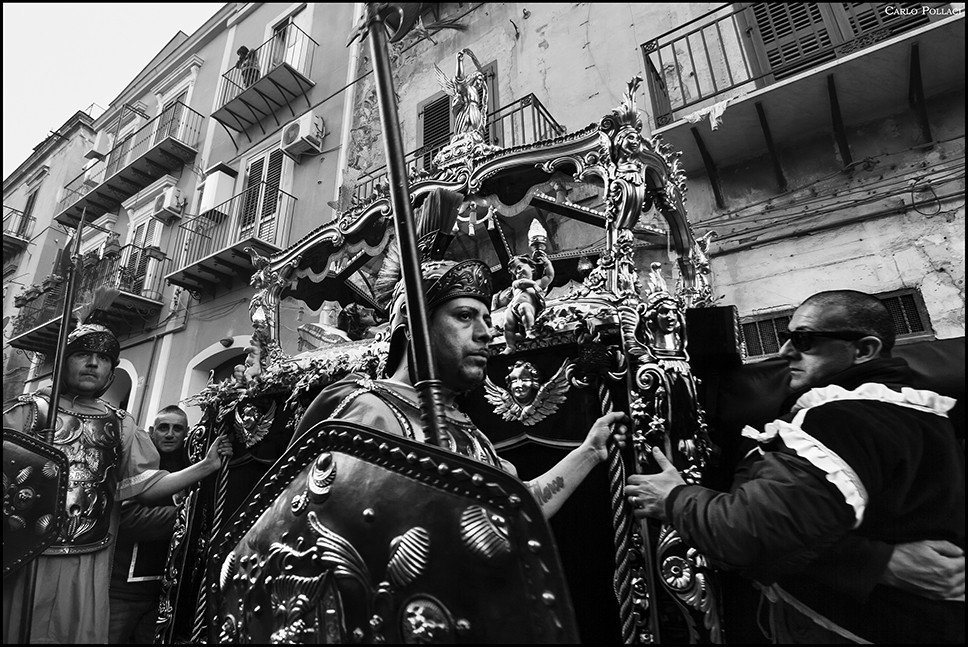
pixel 297 544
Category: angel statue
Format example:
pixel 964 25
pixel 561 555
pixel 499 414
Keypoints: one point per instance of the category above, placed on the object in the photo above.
pixel 468 96
pixel 526 399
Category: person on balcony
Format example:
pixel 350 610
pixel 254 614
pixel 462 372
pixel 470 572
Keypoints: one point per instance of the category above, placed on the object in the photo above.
pixel 110 460
pixel 248 63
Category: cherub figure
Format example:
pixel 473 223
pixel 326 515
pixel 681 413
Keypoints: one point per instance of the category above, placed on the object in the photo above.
pixel 251 425
pixel 525 298
pixel 526 399
pixel 252 373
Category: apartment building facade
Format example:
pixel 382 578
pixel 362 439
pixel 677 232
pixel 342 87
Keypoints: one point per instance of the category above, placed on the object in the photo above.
pixel 227 141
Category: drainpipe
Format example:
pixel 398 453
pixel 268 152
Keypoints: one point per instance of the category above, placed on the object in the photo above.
pixel 349 100
pixel 154 339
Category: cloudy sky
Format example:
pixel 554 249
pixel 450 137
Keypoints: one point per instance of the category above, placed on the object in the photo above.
pixel 59 58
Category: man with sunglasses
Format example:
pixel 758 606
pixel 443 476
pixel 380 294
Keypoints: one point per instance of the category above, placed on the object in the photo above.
pixel 826 508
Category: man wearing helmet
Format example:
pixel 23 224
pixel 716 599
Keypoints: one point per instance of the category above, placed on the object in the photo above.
pixel 458 300
pixel 109 460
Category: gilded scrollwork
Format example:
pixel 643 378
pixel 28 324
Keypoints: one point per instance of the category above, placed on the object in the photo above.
pixel 685 573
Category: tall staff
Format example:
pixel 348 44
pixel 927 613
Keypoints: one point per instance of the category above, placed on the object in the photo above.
pixel 30 575
pixel 429 387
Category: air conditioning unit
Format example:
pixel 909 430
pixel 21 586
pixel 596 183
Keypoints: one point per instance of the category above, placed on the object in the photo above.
pixel 168 205
pixel 102 146
pixel 215 196
pixel 304 136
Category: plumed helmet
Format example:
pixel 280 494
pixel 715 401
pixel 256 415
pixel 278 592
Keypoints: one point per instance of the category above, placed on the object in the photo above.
pixel 94 338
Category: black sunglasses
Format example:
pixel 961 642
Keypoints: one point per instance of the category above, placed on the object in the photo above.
pixel 802 340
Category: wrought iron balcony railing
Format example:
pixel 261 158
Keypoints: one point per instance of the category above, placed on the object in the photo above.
pixel 177 122
pixel 133 270
pixel 735 47
pixel 17 223
pixel 290 45
pixel 524 121
pixel 260 212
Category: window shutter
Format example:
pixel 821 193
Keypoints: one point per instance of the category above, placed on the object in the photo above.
pixel 25 219
pixel 250 204
pixel 794 36
pixel 905 313
pixel 868 17
pixel 267 220
pixel 436 127
pixel 761 336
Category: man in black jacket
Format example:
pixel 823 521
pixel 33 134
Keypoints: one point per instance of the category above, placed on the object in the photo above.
pixel 143 538
pixel 861 461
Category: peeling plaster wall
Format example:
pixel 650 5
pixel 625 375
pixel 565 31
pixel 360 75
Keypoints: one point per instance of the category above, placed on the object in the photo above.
pixel 576 58
pixel 774 255
pixel 903 251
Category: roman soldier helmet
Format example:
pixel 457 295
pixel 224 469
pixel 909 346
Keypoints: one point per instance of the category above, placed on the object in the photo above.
pixel 442 281
pixel 94 338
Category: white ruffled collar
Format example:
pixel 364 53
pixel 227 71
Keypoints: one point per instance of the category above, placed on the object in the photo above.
pixel 919 399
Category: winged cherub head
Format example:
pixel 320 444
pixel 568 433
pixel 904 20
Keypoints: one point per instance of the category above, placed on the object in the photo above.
pixel 523 382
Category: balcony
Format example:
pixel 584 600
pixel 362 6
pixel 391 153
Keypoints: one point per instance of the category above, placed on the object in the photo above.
pixel 17 228
pixel 136 272
pixel 162 145
pixel 777 72
pixel 524 121
pixel 266 79
pixel 209 250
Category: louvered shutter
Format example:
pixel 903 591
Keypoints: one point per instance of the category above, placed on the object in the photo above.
pixel 436 128
pixel 794 36
pixel 25 218
pixel 250 203
pixel 137 266
pixel 874 17
pixel 270 201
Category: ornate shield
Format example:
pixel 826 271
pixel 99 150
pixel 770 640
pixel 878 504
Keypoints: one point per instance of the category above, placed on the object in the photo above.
pixel 361 536
pixel 34 497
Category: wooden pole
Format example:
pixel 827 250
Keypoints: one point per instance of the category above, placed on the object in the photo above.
pixel 57 371
pixel 429 387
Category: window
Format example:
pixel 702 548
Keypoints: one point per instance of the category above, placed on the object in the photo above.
pixel 760 335
pixel 25 218
pixel 435 127
pixel 911 323
pixel 261 200
pixel 171 118
pixel 136 266
pixel 289 39
pixel 909 313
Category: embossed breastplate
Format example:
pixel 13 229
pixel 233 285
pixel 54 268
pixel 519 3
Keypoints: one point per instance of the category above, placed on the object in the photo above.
pixel 92 443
